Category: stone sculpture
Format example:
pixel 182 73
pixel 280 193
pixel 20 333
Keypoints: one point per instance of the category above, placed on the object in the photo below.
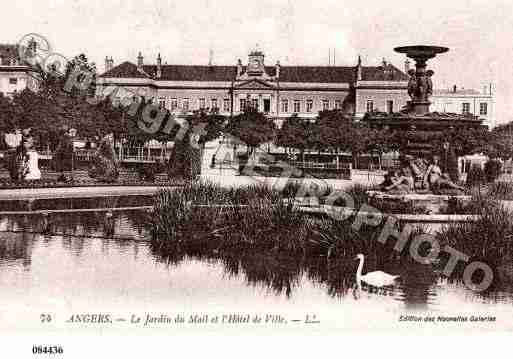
pixel 416 175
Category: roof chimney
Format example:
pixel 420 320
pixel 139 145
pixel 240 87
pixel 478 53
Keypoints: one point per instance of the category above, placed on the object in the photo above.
pixel 210 57
pixel 406 66
pixel 109 63
pixel 359 69
pixel 239 67
pixel 140 59
pixel 277 69
pixel 159 66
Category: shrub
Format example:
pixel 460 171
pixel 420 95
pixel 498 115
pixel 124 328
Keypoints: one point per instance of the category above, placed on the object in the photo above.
pixel 359 195
pixel 451 166
pixel 149 171
pixel 492 170
pixel 501 191
pixel 476 176
pixel 487 239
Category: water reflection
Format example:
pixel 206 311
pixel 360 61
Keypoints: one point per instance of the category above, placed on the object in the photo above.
pixel 16 248
pixel 76 203
pixel 114 224
pixel 23 236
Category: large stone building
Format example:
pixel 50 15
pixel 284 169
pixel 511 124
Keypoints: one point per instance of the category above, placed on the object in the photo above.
pixel 277 90
pixel 14 76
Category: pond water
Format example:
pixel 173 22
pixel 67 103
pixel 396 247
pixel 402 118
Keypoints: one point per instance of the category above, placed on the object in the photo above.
pixel 67 264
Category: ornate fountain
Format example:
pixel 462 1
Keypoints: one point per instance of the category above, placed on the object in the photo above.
pixel 415 117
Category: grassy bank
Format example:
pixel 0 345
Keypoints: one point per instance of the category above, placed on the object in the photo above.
pixel 501 191
pixel 251 230
pixel 489 239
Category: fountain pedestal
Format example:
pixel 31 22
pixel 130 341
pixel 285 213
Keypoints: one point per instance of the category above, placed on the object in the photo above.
pixel 420 86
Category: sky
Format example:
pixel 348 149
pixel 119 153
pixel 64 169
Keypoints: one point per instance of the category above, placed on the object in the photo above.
pixel 295 32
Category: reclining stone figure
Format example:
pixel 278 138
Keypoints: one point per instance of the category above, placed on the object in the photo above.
pixel 417 175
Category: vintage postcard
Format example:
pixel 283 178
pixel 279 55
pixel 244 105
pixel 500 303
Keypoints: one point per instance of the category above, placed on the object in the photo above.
pixel 172 166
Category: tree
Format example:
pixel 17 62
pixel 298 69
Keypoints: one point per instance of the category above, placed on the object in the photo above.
pixel 500 142
pixel 210 123
pixel 111 118
pixel 376 141
pixel 334 130
pixel 294 133
pixel 186 157
pixel 252 128
pixel 6 114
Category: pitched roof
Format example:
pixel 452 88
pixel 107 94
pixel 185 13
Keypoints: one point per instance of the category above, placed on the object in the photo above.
pixel 194 72
pixel 125 70
pixel 324 74
pixel 318 74
pixel 377 73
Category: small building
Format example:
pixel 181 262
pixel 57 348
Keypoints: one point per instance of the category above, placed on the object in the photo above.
pixel 14 76
pixel 466 101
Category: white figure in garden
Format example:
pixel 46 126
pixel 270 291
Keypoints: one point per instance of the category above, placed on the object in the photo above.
pixel 31 163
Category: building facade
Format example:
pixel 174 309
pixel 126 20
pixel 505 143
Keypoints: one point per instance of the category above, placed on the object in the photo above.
pixel 14 76
pixel 465 101
pixel 279 91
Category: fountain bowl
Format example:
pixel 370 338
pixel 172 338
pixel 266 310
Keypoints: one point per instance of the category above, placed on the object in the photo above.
pixel 421 51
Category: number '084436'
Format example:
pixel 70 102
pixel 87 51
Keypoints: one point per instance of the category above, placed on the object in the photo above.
pixel 44 349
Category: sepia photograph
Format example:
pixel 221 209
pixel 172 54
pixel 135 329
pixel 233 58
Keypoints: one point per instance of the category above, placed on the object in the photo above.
pixel 255 167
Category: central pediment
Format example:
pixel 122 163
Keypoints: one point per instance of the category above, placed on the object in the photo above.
pixel 254 84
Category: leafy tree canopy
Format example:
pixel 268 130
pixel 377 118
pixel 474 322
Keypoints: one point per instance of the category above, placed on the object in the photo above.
pixel 252 128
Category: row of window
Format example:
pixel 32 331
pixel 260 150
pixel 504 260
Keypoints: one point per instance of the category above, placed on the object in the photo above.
pixel 186 104
pixel 287 106
pixel 389 106
pixel 297 105
pixel 483 108
pixel 465 107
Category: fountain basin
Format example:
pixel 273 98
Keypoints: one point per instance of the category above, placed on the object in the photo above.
pixel 421 51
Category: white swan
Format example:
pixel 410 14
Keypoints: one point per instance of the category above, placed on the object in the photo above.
pixel 375 279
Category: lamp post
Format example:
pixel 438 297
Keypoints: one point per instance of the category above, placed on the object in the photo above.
pixel 72 134
pixel 446 155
